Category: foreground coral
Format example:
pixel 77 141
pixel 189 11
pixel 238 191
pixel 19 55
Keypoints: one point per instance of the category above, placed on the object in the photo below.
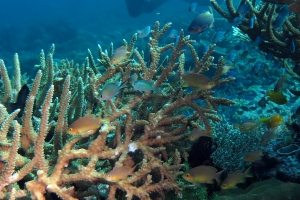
pixel 144 131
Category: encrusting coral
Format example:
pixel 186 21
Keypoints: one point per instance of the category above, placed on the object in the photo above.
pixel 143 131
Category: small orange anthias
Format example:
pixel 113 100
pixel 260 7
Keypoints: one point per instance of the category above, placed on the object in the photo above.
pixel 119 173
pixel 253 156
pixel 202 174
pixel 234 178
pixel 198 132
pixel 85 124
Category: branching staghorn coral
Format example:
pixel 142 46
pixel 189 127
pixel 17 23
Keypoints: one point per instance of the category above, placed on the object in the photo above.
pixel 282 42
pixel 143 131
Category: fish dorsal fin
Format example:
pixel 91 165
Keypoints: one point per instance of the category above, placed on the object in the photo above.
pixel 211 167
pixel 91 115
pixel 210 10
pixel 130 170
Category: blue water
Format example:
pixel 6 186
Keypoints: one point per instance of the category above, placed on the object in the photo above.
pixel 74 26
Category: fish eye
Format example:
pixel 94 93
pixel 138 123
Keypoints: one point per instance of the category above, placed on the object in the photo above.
pixel 70 129
pixel 187 175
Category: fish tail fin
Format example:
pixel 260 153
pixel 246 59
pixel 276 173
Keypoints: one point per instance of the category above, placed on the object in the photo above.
pixel 264 119
pixel 209 133
pixel 217 178
pixel 132 170
pixel 124 84
pixel 248 172
pixel 157 90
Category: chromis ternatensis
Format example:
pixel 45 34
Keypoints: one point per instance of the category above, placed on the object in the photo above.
pixel 143 86
pixel 119 173
pixel 109 91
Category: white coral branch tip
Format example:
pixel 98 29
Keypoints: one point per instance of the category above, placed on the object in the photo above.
pixel 132 147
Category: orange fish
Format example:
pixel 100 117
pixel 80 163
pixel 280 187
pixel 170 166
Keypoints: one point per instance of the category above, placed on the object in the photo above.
pixel 234 178
pixel 253 156
pixel 197 132
pixel 202 174
pixel 119 55
pixel 119 173
pixel 86 123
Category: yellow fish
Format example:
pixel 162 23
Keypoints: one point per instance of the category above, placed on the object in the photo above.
pixel 272 122
pixel 234 178
pixel 202 174
pixel 119 55
pixel 86 123
pixel 119 173
pixel 276 97
pixel 253 156
pixel 198 81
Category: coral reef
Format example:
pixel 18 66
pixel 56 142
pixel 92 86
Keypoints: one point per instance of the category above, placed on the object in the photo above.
pixel 282 42
pixel 267 189
pixel 285 161
pixel 230 148
pixel 144 131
